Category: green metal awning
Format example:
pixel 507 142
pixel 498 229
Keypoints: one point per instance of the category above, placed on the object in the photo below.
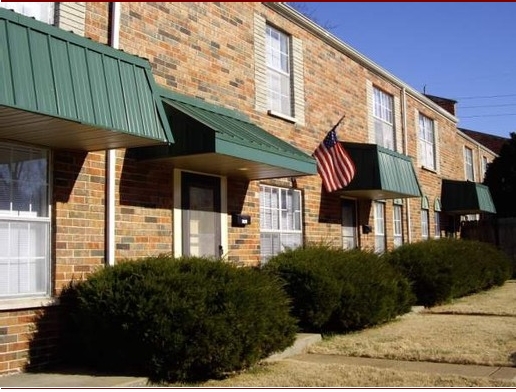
pixel 65 91
pixel 216 140
pixel 466 197
pixel 380 173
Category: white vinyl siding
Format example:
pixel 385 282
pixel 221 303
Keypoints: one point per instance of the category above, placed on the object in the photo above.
pixel 426 142
pixel 280 220
pixel 24 222
pixel 383 107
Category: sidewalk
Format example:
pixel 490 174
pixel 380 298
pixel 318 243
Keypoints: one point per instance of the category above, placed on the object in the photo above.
pixel 493 372
pixel 69 378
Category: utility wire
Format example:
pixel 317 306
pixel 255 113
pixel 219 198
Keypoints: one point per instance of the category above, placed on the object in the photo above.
pixel 488 106
pixel 487 96
pixel 490 115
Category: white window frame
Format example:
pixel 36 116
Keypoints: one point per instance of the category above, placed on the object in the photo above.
pixel 379 227
pixel 469 169
pixel 424 224
pixel 437 224
pixel 42 11
pixel 383 117
pixel 281 220
pixel 485 162
pixel 279 77
pixel 426 142
pixel 24 228
pixel 397 225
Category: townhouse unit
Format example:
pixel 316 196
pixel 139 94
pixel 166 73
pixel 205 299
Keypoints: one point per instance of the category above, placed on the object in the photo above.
pixel 134 129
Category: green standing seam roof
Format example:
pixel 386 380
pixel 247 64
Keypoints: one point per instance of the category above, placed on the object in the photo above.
pixel 381 173
pixel 236 136
pixel 466 197
pixel 47 71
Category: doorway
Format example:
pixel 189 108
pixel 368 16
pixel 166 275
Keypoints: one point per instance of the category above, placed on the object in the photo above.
pixel 201 212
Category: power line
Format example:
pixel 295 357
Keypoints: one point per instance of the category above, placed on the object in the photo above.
pixel 488 106
pixel 490 115
pixel 487 96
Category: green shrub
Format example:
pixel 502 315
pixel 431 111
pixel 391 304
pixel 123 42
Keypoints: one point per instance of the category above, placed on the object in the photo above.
pixel 334 290
pixel 176 320
pixel 443 269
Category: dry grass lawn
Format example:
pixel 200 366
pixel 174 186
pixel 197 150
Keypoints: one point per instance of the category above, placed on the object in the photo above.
pixel 499 301
pixel 299 374
pixel 479 329
pixel 467 336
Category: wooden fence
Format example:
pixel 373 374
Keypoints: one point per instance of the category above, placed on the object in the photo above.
pixel 500 232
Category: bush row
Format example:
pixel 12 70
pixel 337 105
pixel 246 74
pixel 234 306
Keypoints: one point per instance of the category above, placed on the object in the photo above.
pixel 171 320
pixel 195 318
pixel 333 290
pixel 444 269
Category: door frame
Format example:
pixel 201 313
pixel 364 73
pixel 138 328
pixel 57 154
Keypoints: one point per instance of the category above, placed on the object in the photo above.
pixel 178 212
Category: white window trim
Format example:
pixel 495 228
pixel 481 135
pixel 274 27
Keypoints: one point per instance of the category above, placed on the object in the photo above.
pixel 297 75
pixel 425 234
pixel 281 231
pixel 27 300
pixel 423 158
pixel 396 235
pixel 374 118
pixel 379 229
pixel 466 164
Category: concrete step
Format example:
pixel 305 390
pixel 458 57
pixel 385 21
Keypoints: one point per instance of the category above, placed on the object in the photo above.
pixel 303 341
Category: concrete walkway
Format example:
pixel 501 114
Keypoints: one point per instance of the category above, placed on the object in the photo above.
pixel 493 372
pixel 297 352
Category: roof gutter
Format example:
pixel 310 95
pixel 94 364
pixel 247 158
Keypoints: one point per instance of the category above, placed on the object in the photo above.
pixel 111 154
pixel 304 22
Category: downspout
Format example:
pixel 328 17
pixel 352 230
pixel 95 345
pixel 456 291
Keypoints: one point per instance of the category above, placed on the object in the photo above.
pixel 114 35
pixel 405 151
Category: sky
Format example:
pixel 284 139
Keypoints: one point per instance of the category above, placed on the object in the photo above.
pixel 461 51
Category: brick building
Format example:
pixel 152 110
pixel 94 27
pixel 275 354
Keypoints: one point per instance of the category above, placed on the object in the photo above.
pixel 133 129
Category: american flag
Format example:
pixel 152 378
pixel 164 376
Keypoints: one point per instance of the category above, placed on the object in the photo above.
pixel 334 164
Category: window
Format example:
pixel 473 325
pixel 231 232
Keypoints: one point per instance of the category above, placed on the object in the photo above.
pixel 24 222
pixel 43 12
pixel 383 119
pixel 397 225
pixel 468 164
pixel 280 220
pixel 426 142
pixel 437 217
pixel 278 71
pixel 437 222
pixel 379 227
pixel 484 167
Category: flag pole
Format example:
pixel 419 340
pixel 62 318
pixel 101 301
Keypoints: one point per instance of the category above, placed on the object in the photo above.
pixel 338 123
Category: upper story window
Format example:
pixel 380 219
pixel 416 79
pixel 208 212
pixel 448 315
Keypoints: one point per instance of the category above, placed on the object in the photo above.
pixel 43 12
pixel 383 113
pixel 426 142
pixel 278 71
pixel 484 166
pixel 468 164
